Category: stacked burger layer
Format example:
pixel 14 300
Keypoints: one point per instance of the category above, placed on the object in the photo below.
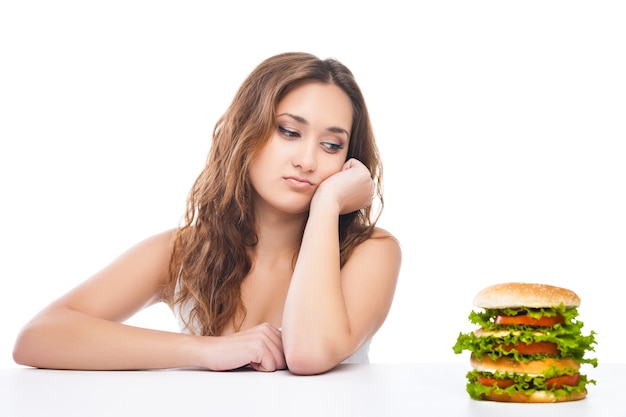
pixel 529 346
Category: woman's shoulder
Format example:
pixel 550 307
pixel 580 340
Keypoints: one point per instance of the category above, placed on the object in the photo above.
pixel 384 234
pixel 156 249
pixel 378 256
pixel 381 240
pixel 163 239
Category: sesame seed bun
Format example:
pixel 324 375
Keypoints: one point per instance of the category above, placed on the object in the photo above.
pixel 520 294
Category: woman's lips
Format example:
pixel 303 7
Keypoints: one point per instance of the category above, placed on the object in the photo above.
pixel 299 183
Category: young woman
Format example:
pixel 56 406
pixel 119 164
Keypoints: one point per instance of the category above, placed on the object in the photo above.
pixel 278 263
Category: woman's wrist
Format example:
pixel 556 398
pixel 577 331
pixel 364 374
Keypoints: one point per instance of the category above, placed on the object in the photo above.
pixel 325 203
pixel 192 351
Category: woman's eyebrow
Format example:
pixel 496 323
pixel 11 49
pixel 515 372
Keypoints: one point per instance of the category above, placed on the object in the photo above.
pixel 298 119
pixel 304 121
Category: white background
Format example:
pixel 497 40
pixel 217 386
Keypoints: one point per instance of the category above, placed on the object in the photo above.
pixel 501 124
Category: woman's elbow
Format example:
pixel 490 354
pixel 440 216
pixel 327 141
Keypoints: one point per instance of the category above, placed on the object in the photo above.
pixel 25 349
pixel 307 366
pixel 307 361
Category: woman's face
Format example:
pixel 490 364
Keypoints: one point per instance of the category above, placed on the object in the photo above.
pixel 309 144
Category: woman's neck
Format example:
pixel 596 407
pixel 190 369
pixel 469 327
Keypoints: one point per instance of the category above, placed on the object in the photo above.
pixel 278 235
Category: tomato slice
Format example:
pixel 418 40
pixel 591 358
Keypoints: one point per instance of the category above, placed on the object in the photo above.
pixel 540 348
pixel 490 382
pixel 542 321
pixel 558 381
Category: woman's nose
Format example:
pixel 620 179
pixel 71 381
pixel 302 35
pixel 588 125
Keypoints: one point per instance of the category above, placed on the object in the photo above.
pixel 305 156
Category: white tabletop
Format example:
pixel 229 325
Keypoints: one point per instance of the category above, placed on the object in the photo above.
pixel 350 390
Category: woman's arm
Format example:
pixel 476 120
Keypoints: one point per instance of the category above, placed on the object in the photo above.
pixel 330 312
pixel 84 329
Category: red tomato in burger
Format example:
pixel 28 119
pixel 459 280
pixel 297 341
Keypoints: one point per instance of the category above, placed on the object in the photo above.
pixel 558 381
pixel 536 348
pixel 490 382
pixel 530 321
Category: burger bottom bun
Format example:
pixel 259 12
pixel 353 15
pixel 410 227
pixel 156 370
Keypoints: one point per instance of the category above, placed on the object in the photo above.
pixel 536 367
pixel 535 397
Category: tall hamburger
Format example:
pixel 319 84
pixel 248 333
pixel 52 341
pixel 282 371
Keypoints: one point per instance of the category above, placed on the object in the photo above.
pixel 529 345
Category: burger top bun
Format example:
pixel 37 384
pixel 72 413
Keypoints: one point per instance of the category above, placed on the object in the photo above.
pixel 520 294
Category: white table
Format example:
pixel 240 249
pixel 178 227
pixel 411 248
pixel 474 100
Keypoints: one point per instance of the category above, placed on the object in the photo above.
pixel 386 390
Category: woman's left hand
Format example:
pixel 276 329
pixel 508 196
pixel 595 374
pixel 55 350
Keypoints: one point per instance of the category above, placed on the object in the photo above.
pixel 352 188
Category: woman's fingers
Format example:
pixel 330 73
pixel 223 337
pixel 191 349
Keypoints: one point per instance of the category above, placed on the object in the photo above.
pixel 261 347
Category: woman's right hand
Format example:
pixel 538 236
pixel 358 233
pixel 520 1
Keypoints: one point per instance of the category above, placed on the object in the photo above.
pixel 352 188
pixel 261 347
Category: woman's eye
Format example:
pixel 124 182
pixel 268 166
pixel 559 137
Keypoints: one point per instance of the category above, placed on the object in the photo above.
pixel 288 133
pixel 332 147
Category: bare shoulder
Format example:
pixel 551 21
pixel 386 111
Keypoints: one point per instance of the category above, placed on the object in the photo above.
pixel 380 233
pixel 127 284
pixel 381 251
pixel 150 254
pixel 158 246
pixel 163 239
pixel 369 279
pixel 382 239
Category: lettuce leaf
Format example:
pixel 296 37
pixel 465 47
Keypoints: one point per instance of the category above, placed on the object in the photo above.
pixel 523 383
pixel 568 336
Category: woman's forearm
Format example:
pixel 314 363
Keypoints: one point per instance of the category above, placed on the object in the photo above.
pixel 315 321
pixel 62 338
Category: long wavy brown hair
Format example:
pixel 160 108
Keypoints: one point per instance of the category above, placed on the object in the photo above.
pixel 212 247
